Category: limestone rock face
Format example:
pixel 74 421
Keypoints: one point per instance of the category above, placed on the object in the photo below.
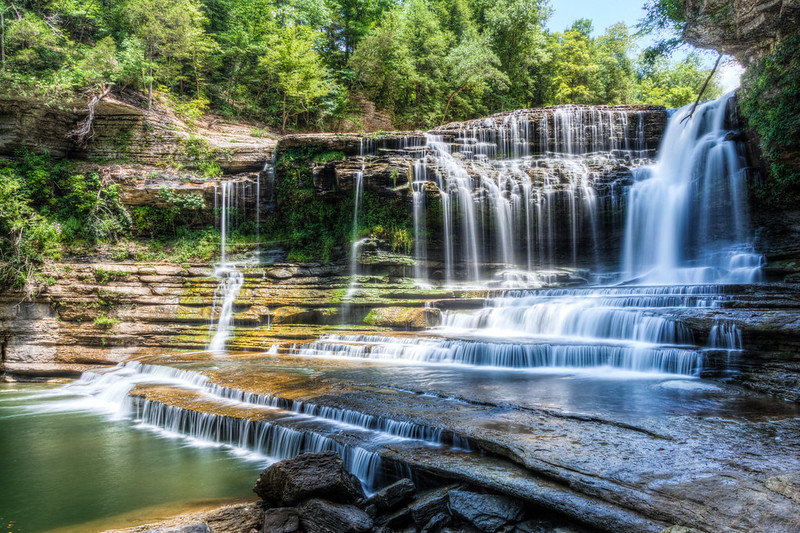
pixel 310 475
pixel 743 28
pixel 123 131
pixel 410 318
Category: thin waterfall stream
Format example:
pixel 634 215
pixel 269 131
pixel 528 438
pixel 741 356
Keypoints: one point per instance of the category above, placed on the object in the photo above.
pixel 231 279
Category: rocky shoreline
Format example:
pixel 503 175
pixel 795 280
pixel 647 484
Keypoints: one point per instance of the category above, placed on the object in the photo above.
pixel 313 493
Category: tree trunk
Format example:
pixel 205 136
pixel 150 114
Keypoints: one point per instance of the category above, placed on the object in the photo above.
pixel 700 95
pixel 150 85
pixel 285 115
pixel 452 95
pixel 3 39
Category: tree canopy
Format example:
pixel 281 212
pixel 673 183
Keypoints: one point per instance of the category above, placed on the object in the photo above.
pixel 304 64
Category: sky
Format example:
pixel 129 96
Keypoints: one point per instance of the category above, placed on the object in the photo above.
pixel 604 13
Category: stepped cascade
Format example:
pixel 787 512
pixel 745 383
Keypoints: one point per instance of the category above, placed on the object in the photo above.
pixel 574 287
pixel 519 190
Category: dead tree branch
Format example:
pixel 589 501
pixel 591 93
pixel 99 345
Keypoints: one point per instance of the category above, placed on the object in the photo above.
pixel 84 131
pixel 700 95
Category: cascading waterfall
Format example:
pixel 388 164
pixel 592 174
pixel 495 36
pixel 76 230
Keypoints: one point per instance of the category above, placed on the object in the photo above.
pixel 625 328
pixel 520 193
pixel 688 221
pixel 275 429
pixel 515 193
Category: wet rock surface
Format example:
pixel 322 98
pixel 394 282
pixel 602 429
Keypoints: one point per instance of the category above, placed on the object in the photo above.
pixel 488 513
pixel 401 507
pixel 317 475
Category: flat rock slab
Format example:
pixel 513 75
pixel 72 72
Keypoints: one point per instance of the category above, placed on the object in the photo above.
pixel 615 471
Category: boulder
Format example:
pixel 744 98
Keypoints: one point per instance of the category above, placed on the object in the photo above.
pixel 392 496
pixel 322 516
pixel 407 318
pixel 310 475
pixel 437 523
pixel 487 512
pixel 281 520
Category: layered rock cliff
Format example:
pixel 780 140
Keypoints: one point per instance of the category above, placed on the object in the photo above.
pixel 746 29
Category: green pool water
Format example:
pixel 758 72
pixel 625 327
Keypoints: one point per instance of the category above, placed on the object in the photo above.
pixel 62 468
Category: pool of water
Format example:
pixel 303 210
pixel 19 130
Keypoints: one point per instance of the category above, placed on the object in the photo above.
pixel 64 467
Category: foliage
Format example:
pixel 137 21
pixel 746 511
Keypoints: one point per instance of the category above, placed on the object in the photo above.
pixel 308 64
pixel 296 71
pixel 159 220
pixel 316 229
pixel 771 105
pixel 674 83
pixel 44 203
pixel 105 322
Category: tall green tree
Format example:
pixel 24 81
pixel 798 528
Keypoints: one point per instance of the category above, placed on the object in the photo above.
pixel 516 30
pixel 298 73
pixel 472 65
pixel 172 31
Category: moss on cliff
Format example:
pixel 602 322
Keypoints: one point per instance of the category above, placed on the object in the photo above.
pixel 771 105
pixel 316 228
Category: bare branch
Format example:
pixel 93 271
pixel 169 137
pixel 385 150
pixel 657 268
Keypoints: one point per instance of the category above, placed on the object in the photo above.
pixel 700 95
pixel 84 130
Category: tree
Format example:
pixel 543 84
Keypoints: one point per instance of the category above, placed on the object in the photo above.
pixel 616 69
pixel 297 70
pixel 673 83
pixel 350 22
pixel 575 74
pixel 516 30
pixel 168 29
pixel 383 63
pixel 472 64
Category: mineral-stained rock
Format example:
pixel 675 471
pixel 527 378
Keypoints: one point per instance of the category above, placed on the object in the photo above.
pixel 393 495
pixel 410 318
pixel 322 516
pixel 787 484
pixel 487 512
pixel 293 315
pixel 310 475
pixel 281 520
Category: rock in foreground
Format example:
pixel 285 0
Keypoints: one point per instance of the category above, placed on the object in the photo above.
pixel 310 475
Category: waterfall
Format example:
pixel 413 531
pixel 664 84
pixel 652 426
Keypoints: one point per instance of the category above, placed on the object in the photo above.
pixel 358 186
pixel 687 222
pixel 269 427
pixel 518 191
pixel 231 279
pixel 420 233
